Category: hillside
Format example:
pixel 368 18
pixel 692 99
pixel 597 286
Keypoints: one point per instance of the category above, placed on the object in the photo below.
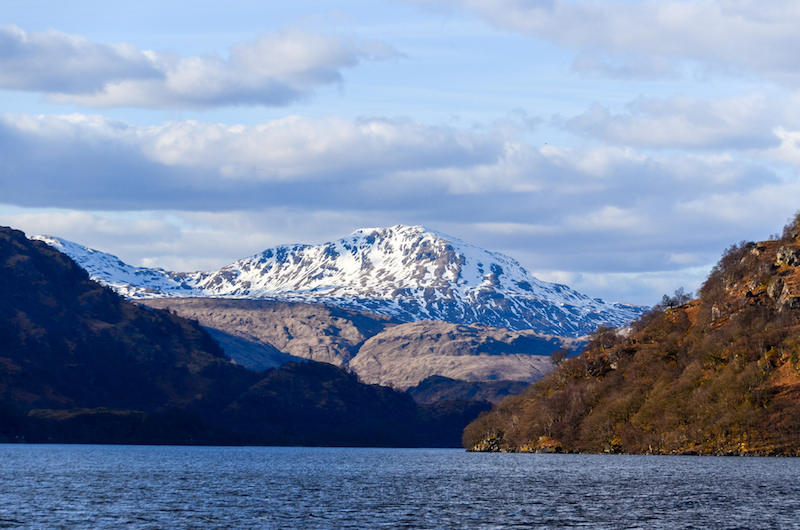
pixel 66 341
pixel 304 331
pixel 436 388
pixel 404 355
pixel 405 272
pixel 716 375
pixel 78 363
pixel 379 349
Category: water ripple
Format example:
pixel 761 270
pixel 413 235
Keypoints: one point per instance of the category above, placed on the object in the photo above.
pixel 57 486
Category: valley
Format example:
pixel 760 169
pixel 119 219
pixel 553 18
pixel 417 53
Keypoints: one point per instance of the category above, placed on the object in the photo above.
pixel 391 336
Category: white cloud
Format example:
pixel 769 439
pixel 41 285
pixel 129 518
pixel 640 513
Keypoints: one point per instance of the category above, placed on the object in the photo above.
pixel 72 160
pixel 789 149
pixel 301 148
pixel 681 122
pixel 752 213
pixel 55 62
pixel 645 288
pixel 195 153
pixel 611 218
pixel 635 38
pixel 275 70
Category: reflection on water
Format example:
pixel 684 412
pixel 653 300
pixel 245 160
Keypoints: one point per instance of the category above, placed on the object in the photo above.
pixel 262 487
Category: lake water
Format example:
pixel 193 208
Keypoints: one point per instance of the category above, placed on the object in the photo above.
pixel 60 486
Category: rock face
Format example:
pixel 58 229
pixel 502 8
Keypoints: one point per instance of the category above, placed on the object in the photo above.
pixel 717 375
pixel 249 354
pixel 406 272
pixel 377 348
pixel 784 287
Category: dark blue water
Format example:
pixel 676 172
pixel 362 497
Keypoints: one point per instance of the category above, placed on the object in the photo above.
pixel 58 486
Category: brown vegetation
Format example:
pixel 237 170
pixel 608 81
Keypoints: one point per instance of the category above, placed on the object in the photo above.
pixel 717 375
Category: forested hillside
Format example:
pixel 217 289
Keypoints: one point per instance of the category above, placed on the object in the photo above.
pixel 715 375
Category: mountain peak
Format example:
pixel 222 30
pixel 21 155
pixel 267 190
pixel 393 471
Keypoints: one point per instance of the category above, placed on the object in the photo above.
pixel 408 272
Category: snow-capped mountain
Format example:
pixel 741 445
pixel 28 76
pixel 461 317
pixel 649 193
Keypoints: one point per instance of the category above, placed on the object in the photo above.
pixel 404 271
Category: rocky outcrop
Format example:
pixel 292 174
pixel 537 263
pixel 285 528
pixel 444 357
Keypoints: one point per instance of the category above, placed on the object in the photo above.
pixel 249 354
pixel 788 256
pixel 436 389
pixel 783 283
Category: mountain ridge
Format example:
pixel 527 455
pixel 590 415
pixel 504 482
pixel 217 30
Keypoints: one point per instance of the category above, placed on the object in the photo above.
pixel 406 272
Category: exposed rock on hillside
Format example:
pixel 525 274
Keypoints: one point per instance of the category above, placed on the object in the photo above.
pixel 377 348
pixel 436 389
pixel 308 331
pixel 249 354
pixel 718 375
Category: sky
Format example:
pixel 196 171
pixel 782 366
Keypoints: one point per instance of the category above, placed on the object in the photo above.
pixel 618 147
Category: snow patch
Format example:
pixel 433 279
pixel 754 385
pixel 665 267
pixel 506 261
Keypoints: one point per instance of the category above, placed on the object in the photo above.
pixel 405 271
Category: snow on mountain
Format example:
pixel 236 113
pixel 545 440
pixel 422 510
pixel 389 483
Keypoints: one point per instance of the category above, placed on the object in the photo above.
pixel 404 271
pixel 131 282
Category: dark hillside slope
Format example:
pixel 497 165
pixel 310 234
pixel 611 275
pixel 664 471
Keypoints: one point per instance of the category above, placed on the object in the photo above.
pixel 717 375
pixel 319 404
pixel 65 341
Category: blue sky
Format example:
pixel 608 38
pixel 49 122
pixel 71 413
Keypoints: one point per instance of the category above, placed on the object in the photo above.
pixel 618 147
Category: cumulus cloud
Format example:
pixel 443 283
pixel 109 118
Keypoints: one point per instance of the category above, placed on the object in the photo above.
pixel 295 147
pixel 635 38
pixel 80 156
pixel 788 151
pixel 682 122
pixel 95 162
pixel 55 62
pixel 275 70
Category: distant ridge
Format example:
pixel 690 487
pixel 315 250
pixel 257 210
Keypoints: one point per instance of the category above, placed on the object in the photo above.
pixel 407 272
